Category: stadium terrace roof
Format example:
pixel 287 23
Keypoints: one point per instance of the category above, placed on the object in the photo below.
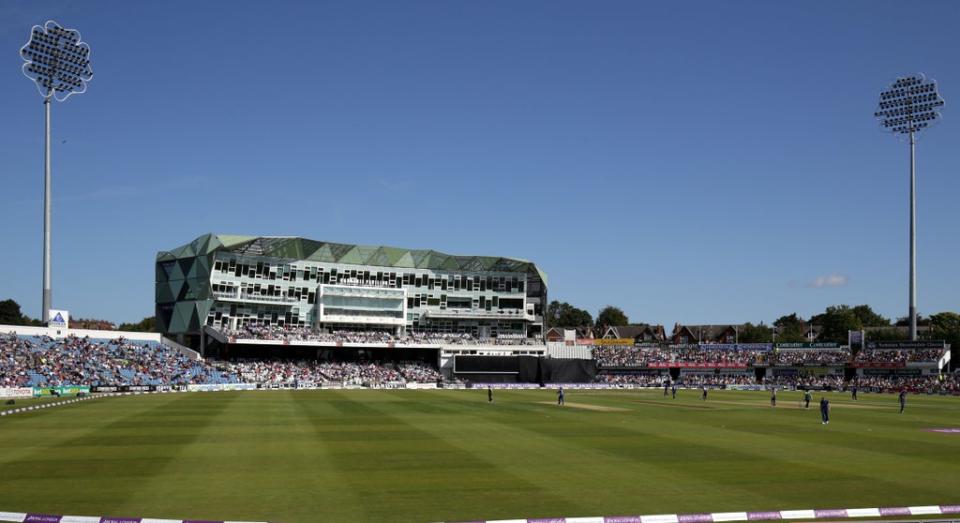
pixel 296 248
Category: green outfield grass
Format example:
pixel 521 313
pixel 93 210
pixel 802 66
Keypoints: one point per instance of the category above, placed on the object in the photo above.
pixel 449 455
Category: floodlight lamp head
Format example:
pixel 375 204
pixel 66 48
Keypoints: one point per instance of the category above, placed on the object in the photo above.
pixel 57 61
pixel 911 104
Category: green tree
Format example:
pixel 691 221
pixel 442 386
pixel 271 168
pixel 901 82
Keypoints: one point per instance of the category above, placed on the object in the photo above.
pixel 148 324
pixel 91 324
pixel 790 329
pixel 611 316
pixel 945 321
pixel 580 318
pixel 836 321
pixel 869 318
pixel 887 334
pixel 945 326
pixel 564 315
pixel 553 313
pixel 922 321
pixel 750 333
pixel 10 314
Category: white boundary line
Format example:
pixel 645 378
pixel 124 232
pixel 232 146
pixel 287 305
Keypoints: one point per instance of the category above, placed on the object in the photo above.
pixel 20 517
pixel 771 515
pixel 19 410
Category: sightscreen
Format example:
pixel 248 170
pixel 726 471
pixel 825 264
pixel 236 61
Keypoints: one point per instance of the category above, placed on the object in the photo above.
pixel 486 364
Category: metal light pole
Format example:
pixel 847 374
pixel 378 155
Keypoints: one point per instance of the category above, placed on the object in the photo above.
pixel 59 63
pixel 908 106
pixel 47 291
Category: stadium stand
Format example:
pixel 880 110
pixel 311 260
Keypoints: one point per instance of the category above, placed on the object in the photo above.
pixel 418 373
pixel 916 384
pixel 951 383
pixel 27 361
pixel 253 331
pixel 290 373
pixel 810 357
pixel 887 356
pixel 617 356
pixel 611 356
pixel 39 361
pixel 829 382
pixel 715 381
pixel 646 380
pixel 699 356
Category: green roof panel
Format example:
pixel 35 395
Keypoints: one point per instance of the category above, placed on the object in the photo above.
pixel 296 248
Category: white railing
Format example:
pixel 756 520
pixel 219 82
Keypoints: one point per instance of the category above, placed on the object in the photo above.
pixel 470 313
pixel 246 296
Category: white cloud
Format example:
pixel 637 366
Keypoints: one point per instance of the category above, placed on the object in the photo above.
pixel 831 280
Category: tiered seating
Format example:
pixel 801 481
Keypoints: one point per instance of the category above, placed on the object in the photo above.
pixel 893 357
pixel 274 332
pixel 27 361
pixel 810 357
pixel 676 356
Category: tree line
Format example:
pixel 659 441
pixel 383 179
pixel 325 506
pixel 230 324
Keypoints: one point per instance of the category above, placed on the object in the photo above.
pixel 830 325
pixel 10 314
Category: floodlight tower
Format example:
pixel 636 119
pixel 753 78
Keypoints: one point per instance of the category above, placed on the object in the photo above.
pixel 59 63
pixel 908 106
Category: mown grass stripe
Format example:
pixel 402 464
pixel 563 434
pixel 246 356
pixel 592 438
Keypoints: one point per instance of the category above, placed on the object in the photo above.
pixel 292 456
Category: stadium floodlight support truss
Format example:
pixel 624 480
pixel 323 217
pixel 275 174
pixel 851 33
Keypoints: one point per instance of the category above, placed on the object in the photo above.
pixel 910 105
pixel 59 63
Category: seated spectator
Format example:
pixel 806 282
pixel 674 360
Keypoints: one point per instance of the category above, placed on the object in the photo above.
pixel 45 362
pixel 893 356
pixel 613 356
pixel 295 333
pixel 797 358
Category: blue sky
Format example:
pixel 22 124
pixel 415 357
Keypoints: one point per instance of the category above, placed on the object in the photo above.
pixel 700 162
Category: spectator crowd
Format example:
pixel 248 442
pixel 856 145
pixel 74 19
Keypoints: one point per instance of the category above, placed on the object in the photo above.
pixel 891 356
pixel 810 357
pixel 27 361
pixel 645 380
pixel 909 383
pixel 46 362
pixel 42 362
pixel 704 380
pixel 616 356
pixel 828 382
pixel 284 333
pixel 949 383
pixel 305 372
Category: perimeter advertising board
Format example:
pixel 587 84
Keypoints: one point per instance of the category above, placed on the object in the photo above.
pixel 69 390
pixel 58 319
pixel 613 341
pixel 16 392
pixel 736 346
pixel 907 345
pixel 817 345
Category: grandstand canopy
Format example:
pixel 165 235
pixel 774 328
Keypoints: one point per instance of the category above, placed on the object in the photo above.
pixel 296 248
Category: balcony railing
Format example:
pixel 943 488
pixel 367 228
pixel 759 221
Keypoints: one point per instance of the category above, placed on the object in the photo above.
pixel 246 296
pixel 479 314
